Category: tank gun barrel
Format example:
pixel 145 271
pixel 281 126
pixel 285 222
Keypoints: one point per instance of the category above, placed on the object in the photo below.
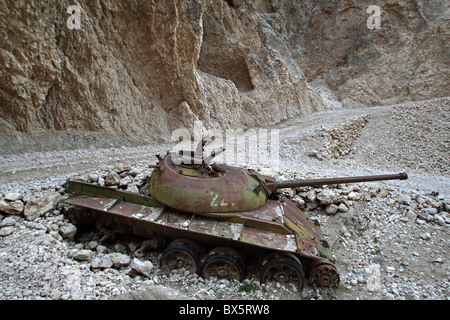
pixel 321 182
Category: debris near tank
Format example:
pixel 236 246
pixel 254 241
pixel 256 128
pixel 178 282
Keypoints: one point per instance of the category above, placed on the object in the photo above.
pixel 333 200
pixel 118 175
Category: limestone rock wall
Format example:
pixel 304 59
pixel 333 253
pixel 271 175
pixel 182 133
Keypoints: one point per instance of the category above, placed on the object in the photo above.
pixel 407 58
pixel 145 68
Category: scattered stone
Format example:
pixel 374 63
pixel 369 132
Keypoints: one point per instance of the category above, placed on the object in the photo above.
pixel 92 245
pixel 311 195
pixel 82 255
pixel 13 196
pixel 352 196
pixel 46 240
pixel 93 177
pixel 411 216
pixel 132 246
pixel 331 209
pixel 6 231
pixel 326 197
pixel 297 199
pixel 390 269
pixel 404 199
pixel 425 236
pixel 119 259
pixel 311 205
pixel 112 179
pixel 367 196
pixel 8 222
pixel 132 188
pixel 101 249
pixel 315 154
pixel 38 206
pixel 134 172
pixel 142 267
pixel 120 167
pixel 120 248
pixel 342 207
pixel 124 182
pixel 438 260
pixel 68 231
pixel 11 207
pixel 101 262
pixel 439 220
pixel 384 193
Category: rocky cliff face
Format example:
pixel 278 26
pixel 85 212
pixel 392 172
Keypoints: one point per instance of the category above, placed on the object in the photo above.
pixel 145 68
pixel 406 58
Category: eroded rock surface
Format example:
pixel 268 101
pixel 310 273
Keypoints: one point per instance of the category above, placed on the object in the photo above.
pixel 144 69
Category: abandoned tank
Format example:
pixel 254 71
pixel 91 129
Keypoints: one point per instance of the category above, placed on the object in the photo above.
pixel 220 221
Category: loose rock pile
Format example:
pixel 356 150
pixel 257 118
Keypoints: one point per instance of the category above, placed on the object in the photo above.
pixel 119 176
pixel 338 142
pixel 385 250
pixel 29 206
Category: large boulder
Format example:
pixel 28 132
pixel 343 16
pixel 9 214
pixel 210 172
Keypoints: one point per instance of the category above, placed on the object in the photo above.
pixel 38 206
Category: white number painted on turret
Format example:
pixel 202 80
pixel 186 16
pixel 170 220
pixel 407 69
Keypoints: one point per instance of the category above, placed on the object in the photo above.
pixel 215 203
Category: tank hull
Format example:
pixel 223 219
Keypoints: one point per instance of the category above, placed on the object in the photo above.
pixel 278 226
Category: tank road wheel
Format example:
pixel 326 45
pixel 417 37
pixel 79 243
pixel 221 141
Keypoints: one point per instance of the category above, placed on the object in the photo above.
pixel 324 274
pixel 283 269
pixel 181 254
pixel 223 263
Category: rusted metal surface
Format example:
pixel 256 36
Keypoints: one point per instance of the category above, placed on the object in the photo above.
pixel 231 191
pixel 321 182
pixel 223 229
pixel 269 239
pixel 95 203
pixel 284 270
pixel 181 254
pixel 324 274
pixel 218 188
pixel 270 230
pixel 278 226
pixel 223 263
pixel 78 187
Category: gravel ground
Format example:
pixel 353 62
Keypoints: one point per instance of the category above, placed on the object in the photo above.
pixel 391 242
